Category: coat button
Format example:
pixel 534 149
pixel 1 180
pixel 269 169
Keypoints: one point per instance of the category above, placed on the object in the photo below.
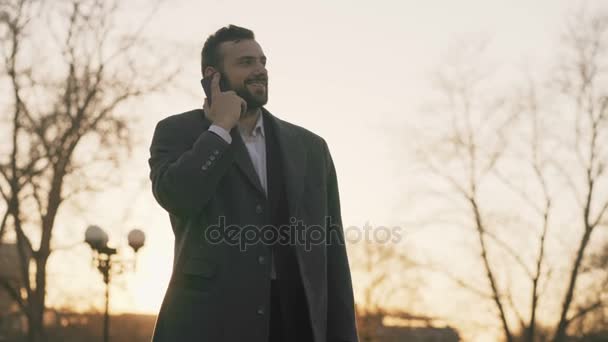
pixel 211 157
pixel 204 167
pixel 216 152
pixel 258 208
pixel 208 162
pixel 260 310
pixel 262 259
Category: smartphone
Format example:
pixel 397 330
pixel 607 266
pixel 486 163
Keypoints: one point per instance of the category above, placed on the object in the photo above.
pixel 206 83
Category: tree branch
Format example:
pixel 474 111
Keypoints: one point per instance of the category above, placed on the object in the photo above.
pixel 13 293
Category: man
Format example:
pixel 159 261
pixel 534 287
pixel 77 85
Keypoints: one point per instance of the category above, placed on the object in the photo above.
pixel 225 172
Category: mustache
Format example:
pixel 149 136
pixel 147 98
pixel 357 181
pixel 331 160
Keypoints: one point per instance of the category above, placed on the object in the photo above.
pixel 257 79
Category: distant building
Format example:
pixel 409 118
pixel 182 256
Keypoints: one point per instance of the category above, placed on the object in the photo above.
pixel 11 318
pixel 417 334
pixel 392 326
pixel 415 328
pixel 63 326
pixel 76 327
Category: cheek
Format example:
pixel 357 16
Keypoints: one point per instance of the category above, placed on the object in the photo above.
pixel 244 73
pixel 239 76
pixel 239 81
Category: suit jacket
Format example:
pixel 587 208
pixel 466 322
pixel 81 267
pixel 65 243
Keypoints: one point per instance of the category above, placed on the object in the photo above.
pixel 220 291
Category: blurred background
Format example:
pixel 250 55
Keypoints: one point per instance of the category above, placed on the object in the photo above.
pixel 476 131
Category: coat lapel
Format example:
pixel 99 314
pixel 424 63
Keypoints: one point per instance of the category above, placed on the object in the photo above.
pixel 243 161
pixel 241 155
pixel 293 155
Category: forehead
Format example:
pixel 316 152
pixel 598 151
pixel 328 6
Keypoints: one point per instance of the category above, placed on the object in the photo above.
pixel 234 50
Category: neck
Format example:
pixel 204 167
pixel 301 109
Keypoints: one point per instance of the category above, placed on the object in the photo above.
pixel 248 120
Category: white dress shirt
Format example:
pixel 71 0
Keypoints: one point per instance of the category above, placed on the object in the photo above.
pixel 256 146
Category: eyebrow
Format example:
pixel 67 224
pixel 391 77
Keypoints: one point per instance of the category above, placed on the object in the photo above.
pixel 250 57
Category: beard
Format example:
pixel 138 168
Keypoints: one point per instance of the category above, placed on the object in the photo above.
pixel 255 97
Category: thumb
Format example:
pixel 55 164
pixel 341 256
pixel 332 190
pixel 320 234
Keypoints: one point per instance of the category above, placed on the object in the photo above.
pixel 243 107
pixel 206 107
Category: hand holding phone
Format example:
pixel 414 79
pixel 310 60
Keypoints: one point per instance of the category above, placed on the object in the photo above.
pixel 225 107
pixel 206 83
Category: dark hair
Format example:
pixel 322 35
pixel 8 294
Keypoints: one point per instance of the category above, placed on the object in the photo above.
pixel 210 55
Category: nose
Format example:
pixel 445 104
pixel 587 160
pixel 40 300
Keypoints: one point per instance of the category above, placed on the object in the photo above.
pixel 261 69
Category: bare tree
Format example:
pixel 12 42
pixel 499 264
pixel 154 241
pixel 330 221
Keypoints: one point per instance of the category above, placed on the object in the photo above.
pixel 583 80
pixel 466 152
pixel 66 93
pixel 595 320
pixel 489 130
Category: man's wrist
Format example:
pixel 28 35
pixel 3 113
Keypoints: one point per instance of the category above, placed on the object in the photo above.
pixel 225 126
pixel 221 132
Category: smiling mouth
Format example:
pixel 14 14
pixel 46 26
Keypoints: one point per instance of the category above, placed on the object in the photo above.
pixel 257 85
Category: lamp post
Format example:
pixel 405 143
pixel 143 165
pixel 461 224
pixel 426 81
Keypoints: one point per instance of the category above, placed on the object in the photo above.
pixel 104 259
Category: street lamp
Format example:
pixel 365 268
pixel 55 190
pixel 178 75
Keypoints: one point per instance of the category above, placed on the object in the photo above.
pixel 104 259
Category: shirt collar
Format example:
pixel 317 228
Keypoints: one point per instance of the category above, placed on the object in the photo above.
pixel 258 128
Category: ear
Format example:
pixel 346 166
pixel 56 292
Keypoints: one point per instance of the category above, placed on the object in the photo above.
pixel 209 71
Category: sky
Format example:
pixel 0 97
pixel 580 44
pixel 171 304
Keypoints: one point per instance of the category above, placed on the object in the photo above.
pixel 355 72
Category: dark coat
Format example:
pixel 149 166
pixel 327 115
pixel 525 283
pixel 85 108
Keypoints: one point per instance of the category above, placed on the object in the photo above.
pixel 219 292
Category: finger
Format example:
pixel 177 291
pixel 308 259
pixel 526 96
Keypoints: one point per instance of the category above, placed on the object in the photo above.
pixel 206 106
pixel 215 84
pixel 243 107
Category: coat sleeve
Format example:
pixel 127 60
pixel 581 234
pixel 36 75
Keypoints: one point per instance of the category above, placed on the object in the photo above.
pixel 185 177
pixel 341 323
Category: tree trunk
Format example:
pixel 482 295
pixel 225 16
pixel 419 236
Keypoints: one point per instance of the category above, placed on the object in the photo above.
pixel 560 334
pixel 36 332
